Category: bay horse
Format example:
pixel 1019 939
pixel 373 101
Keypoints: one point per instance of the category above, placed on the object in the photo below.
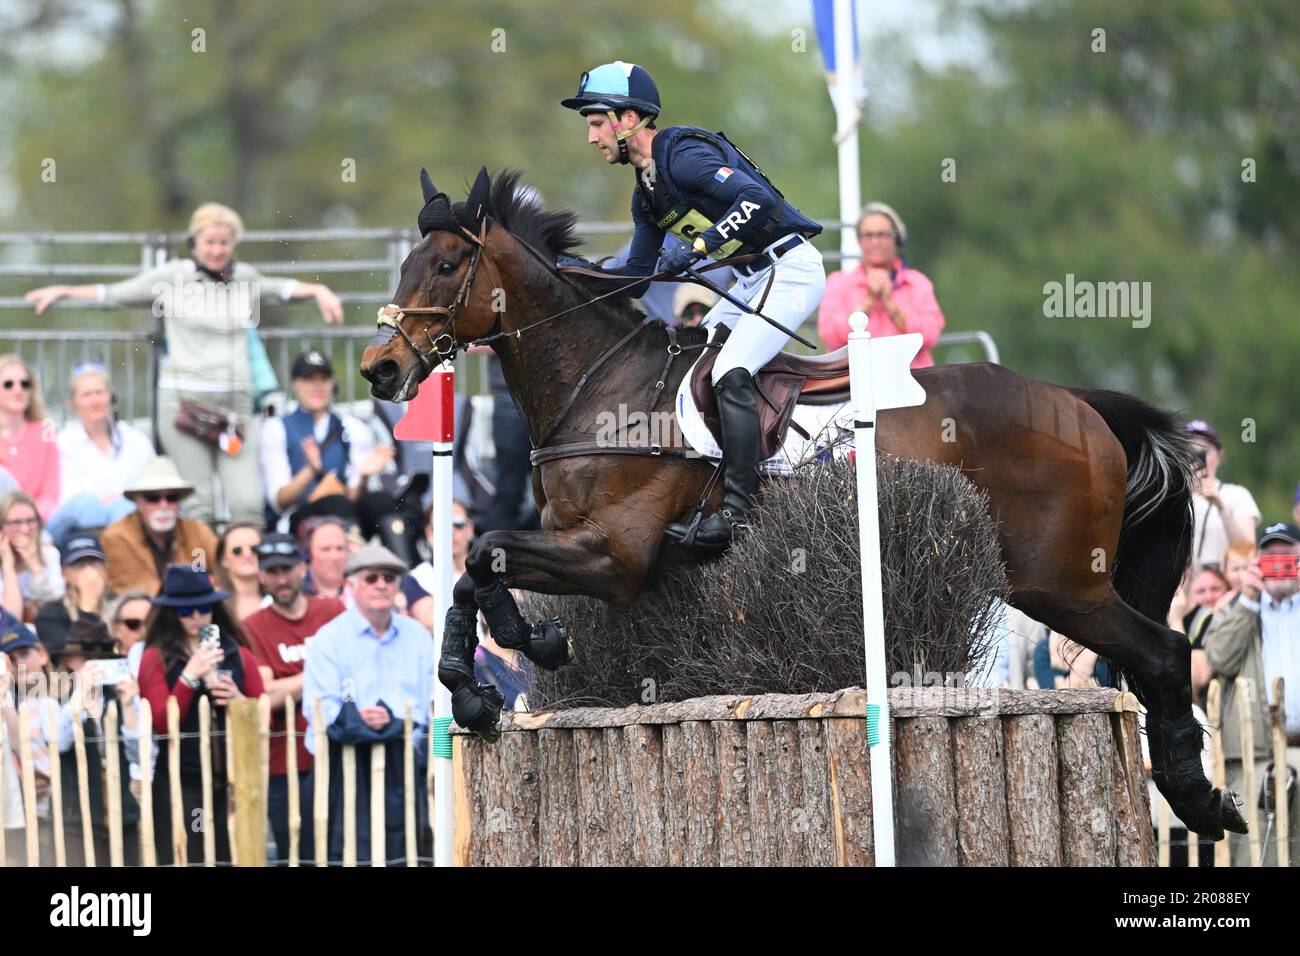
pixel 1089 488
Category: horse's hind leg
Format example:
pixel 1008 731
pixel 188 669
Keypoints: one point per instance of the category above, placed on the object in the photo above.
pixel 1160 659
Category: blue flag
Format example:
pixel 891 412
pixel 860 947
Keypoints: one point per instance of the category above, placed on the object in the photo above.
pixel 824 22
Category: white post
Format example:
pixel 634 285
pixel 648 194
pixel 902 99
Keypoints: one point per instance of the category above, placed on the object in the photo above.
pixel 846 133
pixel 879 727
pixel 443 380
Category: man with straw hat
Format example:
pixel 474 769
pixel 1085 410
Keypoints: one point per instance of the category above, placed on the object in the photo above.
pixel 142 545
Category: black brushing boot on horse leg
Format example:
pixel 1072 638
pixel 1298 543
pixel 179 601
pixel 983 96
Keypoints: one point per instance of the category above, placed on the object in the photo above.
pixel 738 413
pixel 474 706
pixel 543 643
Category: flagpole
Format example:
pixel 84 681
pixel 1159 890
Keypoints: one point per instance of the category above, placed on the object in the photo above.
pixel 846 133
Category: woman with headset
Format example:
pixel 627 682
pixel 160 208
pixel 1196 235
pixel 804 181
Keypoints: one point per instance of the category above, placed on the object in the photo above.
pixel 896 298
pixel 214 365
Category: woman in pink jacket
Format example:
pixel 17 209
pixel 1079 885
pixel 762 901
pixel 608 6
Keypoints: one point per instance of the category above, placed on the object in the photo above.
pixel 896 299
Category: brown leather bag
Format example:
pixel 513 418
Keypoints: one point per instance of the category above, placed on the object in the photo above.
pixel 211 425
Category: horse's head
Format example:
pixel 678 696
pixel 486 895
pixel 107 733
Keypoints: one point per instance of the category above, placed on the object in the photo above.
pixel 442 302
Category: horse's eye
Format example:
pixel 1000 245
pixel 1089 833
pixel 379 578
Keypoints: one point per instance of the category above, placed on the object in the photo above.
pixel 446 268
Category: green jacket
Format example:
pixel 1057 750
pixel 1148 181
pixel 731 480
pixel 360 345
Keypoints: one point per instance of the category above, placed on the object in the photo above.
pixel 1232 644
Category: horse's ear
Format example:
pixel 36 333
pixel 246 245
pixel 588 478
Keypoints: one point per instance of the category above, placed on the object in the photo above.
pixel 426 185
pixel 479 203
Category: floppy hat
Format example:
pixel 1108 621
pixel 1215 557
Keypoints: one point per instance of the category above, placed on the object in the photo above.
pixel 160 474
pixel 184 587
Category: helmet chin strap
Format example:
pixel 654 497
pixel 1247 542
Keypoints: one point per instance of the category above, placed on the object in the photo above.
pixel 623 135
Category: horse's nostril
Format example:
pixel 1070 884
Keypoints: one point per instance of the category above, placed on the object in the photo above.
pixel 382 372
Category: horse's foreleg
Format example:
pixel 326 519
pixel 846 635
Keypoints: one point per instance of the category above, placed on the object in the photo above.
pixel 574 561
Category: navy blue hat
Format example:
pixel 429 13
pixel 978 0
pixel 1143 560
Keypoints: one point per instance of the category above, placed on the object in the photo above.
pixel 14 634
pixel 185 587
pixel 616 86
pixel 80 545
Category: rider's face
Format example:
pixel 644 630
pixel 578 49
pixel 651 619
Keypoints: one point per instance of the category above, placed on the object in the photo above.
pixel 600 133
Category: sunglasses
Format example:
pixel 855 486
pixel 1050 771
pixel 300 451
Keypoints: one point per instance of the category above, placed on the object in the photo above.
pixel 460 523
pixel 239 549
pixel 171 497
pixel 131 623
pixel 25 384
pixel 388 577
pixel 194 609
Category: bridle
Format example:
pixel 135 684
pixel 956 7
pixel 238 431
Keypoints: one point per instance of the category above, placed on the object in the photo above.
pixel 391 315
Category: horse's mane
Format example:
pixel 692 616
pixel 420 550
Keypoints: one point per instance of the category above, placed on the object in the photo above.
pixel 554 232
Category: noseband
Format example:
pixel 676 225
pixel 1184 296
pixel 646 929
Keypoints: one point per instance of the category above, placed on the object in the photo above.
pixel 443 345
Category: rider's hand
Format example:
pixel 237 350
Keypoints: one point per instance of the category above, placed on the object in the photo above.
pixel 676 261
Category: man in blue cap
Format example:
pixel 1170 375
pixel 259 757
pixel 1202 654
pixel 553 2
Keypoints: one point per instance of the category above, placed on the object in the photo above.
pixel 701 188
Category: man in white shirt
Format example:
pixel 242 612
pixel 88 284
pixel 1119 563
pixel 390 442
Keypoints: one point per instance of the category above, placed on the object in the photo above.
pixel 1223 513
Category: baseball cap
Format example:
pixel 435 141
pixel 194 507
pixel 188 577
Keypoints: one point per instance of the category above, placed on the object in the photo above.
pixel 14 634
pixel 1203 428
pixel 311 363
pixel 278 551
pixel 1280 532
pixel 78 546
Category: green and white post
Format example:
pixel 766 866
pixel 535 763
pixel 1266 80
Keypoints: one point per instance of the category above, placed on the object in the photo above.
pixel 880 378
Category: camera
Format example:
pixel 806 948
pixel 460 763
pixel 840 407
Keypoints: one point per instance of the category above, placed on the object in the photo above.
pixel 1278 566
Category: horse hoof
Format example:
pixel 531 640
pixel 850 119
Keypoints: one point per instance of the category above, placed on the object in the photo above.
pixel 477 708
pixel 1229 814
pixel 549 646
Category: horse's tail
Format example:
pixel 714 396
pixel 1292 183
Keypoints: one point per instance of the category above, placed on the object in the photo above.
pixel 1156 537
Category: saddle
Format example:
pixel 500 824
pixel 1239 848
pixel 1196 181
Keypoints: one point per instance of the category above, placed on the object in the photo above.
pixel 784 382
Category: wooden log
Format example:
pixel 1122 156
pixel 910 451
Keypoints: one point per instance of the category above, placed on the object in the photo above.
pixel 593 802
pixel 180 844
pixel 27 757
pixel 848 767
pixel 644 748
pixel 349 758
pixel 795 816
pixel 408 785
pixel 462 822
pixel 1033 807
pixel 1131 776
pixel 622 814
pixel 83 791
pixel 904 703
pixel 560 807
pixel 1193 849
pixel 701 794
pixel 1246 701
pixel 766 813
pixel 6 763
pixel 819 834
pixel 1281 819
pixel 1129 824
pixel 148 850
pixel 518 793
pixel 1218 768
pixel 291 780
pixel 674 768
pixel 50 730
pixel 112 786
pixel 982 828
pixel 1087 783
pixel 205 775
pixel 735 832
pixel 320 807
pixel 378 823
pixel 244 723
pixel 924 793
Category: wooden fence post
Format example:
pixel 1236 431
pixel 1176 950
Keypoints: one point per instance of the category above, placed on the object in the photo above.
pixel 408 785
pixel 1281 814
pixel 27 757
pixel 180 841
pixel 291 780
pixel 1213 711
pixel 113 785
pixel 1246 691
pixel 320 808
pixel 148 850
pixel 205 774
pixel 244 725
pixel 51 731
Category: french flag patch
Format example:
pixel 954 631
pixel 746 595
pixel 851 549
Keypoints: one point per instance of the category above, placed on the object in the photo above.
pixel 722 174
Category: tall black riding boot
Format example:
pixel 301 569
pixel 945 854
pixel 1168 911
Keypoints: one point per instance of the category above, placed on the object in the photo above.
pixel 738 413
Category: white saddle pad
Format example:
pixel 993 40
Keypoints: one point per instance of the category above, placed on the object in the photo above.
pixel 830 428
